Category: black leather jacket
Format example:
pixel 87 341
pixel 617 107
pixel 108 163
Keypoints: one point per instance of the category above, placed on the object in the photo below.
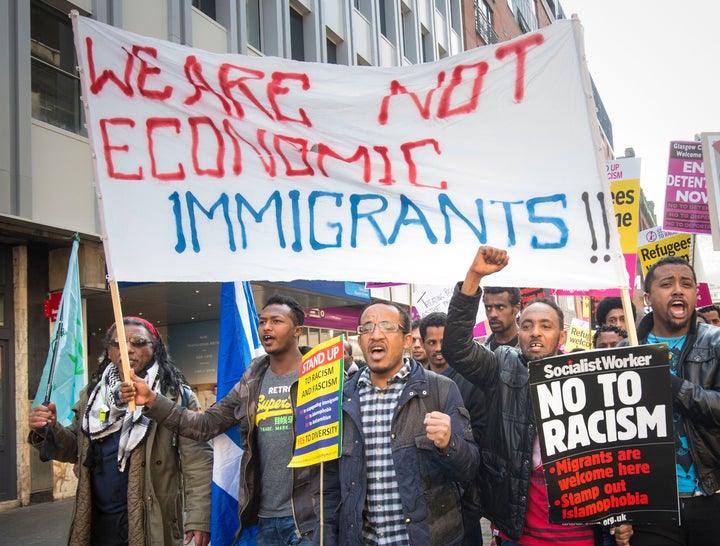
pixel 696 394
pixel 506 450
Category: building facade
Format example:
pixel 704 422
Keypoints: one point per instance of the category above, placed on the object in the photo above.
pixel 492 21
pixel 46 186
pixel 47 194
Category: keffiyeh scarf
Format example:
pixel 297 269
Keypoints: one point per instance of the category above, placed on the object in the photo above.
pixel 106 413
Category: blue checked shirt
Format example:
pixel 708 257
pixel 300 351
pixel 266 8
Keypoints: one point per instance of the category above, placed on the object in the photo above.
pixel 383 522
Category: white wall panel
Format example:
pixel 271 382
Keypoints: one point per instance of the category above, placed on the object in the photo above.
pixel 149 18
pixel 62 189
pixel 208 34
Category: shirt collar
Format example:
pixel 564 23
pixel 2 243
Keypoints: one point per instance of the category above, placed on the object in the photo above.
pixel 401 376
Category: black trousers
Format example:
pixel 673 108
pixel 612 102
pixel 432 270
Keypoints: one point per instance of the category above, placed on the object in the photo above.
pixel 109 529
pixel 699 526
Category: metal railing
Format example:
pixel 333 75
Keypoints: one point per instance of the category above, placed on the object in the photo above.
pixel 483 25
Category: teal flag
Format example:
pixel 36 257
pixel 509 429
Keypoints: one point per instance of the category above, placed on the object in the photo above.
pixel 65 364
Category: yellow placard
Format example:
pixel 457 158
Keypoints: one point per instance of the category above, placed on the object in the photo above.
pixel 318 426
pixel 626 204
pixel 579 336
pixel 679 245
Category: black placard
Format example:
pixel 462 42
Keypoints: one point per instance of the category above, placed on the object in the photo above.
pixel 605 425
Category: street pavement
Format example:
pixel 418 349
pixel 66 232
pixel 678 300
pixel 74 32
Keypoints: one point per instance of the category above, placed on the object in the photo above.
pixel 42 524
pixel 46 524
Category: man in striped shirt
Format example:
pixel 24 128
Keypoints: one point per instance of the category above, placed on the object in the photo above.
pixel 407 442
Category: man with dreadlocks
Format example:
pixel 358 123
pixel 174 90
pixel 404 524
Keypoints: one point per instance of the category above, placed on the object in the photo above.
pixel 131 487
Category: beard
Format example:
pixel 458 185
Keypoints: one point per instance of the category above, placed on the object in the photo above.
pixel 676 325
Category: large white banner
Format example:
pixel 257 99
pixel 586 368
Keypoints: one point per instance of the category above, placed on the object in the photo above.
pixel 229 167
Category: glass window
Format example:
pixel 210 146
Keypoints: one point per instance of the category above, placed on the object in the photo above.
pixel 484 9
pixel 382 12
pixel 387 19
pixel 483 22
pixel 551 5
pixel 252 11
pixel 206 6
pixel 455 17
pixel 297 36
pixel 427 47
pixel 524 27
pixel 331 51
pixel 525 15
pixel 364 7
pixel 314 336
pixel 55 86
pixel 408 36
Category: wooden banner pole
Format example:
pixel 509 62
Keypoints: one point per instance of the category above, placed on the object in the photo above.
pixel 120 332
pixel 322 503
pixel 629 316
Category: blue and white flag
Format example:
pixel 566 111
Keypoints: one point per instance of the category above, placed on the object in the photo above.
pixel 239 344
pixel 65 364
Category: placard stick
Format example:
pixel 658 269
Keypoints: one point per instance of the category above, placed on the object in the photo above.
pixel 322 503
pixel 629 316
pixel 120 332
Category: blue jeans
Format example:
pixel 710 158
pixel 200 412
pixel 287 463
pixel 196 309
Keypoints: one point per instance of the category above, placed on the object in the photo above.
pixel 280 532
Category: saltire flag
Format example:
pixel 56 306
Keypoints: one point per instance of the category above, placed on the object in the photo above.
pixel 239 344
pixel 65 365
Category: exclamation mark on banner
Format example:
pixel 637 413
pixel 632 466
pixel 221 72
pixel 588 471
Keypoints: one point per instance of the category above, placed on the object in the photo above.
pixel 588 215
pixel 601 199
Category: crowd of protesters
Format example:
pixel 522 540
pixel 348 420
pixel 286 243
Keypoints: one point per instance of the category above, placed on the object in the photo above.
pixel 438 429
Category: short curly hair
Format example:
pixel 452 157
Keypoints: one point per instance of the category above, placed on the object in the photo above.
pixel 436 319
pixel 608 304
pixel 296 310
pixel 609 328
pixel 709 309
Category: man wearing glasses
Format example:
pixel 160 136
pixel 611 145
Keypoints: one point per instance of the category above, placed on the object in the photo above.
pixel 407 441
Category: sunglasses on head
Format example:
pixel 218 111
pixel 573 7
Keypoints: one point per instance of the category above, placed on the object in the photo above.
pixel 134 341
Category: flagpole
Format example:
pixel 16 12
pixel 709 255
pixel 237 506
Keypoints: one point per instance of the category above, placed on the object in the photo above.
pixel 62 376
pixel 58 334
pixel 120 331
